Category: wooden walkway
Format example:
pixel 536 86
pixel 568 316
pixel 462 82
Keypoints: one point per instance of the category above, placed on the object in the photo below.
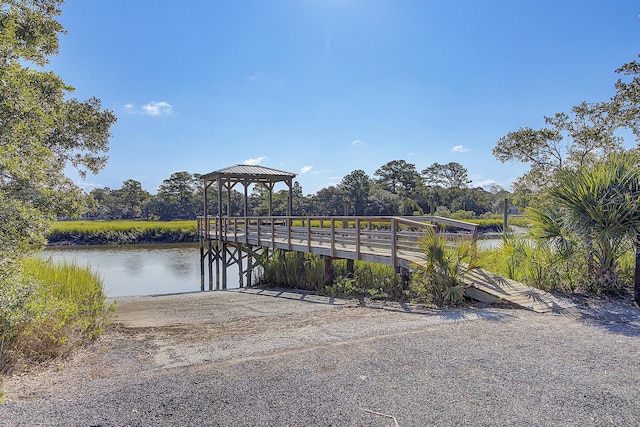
pixel 393 241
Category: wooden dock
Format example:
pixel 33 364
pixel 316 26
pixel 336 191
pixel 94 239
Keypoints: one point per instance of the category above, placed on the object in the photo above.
pixel 393 241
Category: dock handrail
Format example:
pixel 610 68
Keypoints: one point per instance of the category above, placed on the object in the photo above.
pixel 386 239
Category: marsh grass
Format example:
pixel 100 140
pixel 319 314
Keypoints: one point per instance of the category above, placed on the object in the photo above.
pixel 537 264
pixel 48 310
pixel 376 281
pixel 122 232
pixel 294 270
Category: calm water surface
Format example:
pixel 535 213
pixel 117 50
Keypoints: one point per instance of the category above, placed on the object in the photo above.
pixel 128 270
pixel 141 269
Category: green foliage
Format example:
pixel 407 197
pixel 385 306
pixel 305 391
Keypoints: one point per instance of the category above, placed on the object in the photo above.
pixel 122 232
pixel 356 187
pixel 440 279
pixel 450 175
pixel 50 310
pixel 542 265
pixel 410 208
pixel 177 198
pixel 43 130
pixel 294 270
pixel 298 270
pixel 463 215
pixel 597 209
pixel 377 281
pixel 569 141
pixel 398 177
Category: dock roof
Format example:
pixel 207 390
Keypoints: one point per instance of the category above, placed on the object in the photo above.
pixel 250 173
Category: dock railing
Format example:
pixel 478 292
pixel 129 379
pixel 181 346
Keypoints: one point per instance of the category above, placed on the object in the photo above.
pixel 382 239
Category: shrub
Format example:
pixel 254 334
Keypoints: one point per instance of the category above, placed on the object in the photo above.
pixel 440 279
pixel 47 310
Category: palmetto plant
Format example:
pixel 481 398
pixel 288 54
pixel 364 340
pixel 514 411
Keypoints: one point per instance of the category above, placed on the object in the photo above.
pixel 600 207
pixel 441 275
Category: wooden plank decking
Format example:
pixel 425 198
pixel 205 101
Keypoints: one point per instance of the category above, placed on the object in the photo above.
pixel 392 241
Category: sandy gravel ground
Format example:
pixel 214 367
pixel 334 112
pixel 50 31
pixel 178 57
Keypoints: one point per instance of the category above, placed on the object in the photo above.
pixel 282 358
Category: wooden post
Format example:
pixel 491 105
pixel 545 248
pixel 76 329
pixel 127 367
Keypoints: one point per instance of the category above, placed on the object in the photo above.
pixel 404 278
pixel 224 266
pixel 217 265
pixel 333 237
pixel 328 270
pixel 250 255
pixel 290 204
pixel 246 196
pixel 357 238
pixel 394 238
pixel 201 263
pixel 209 261
pixel 240 278
pixel 505 217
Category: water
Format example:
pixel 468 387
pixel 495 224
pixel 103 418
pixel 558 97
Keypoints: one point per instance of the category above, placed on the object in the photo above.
pixel 128 270
pixel 141 269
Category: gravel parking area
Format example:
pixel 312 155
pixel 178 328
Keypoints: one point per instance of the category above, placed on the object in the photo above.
pixel 286 358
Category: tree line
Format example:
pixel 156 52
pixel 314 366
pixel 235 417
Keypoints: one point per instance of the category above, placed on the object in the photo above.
pixel 397 188
pixel 582 188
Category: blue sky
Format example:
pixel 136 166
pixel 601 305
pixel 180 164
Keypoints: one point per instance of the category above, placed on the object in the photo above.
pixel 324 87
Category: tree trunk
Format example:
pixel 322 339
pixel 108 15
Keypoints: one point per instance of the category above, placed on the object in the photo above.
pixel 636 279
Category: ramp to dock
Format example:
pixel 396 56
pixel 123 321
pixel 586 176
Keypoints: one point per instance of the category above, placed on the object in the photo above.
pixel 485 286
pixel 490 287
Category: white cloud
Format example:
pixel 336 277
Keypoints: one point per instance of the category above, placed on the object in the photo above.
pixel 153 108
pixel 459 149
pixel 306 169
pixel 485 183
pixel 156 108
pixel 254 162
pixel 357 142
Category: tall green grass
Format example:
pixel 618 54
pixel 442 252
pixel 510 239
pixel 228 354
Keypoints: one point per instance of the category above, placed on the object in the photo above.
pixel 122 232
pixel 537 264
pixel 294 270
pixel 298 270
pixel 47 310
pixel 376 281
pixel 548 266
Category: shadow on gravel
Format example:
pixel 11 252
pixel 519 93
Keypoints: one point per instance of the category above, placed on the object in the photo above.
pixel 451 315
pixel 293 294
pixel 616 318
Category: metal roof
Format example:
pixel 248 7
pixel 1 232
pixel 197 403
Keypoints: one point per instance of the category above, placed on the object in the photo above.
pixel 252 173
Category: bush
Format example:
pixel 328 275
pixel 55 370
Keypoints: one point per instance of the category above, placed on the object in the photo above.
pixel 440 279
pixel 294 270
pixel 47 310
pixel 377 281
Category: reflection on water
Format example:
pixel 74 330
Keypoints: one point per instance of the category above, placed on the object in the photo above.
pixel 141 269
pixel 151 269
